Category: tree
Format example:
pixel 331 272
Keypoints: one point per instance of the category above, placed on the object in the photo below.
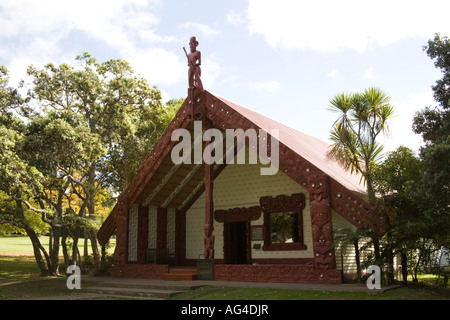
pixel 362 118
pixel 434 126
pixel 89 128
pixel 111 110
pixel 397 182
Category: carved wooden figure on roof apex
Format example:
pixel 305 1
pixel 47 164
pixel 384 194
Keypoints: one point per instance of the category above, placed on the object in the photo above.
pixel 195 90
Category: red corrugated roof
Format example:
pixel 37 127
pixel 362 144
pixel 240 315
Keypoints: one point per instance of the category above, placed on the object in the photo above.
pixel 311 149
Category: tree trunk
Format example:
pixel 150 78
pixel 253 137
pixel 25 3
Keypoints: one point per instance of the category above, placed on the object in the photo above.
pixel 390 268
pixel 64 250
pixel 357 258
pixel 91 210
pixel 37 246
pixel 75 248
pixel 95 250
pixel 54 256
pixel 86 244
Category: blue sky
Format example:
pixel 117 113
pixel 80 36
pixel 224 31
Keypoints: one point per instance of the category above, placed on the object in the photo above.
pixel 285 59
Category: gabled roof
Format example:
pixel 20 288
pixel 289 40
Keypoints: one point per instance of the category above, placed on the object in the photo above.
pixel 160 182
pixel 310 148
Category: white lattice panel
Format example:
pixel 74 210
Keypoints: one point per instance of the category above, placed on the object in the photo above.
pixel 132 233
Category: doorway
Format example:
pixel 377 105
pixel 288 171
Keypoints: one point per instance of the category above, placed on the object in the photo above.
pixel 237 240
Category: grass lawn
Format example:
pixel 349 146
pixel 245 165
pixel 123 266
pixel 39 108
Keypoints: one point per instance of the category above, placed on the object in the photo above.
pixel 232 293
pixel 21 245
pixel 19 279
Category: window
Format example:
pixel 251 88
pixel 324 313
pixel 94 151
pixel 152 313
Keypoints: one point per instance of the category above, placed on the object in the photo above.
pixel 284 227
pixel 283 223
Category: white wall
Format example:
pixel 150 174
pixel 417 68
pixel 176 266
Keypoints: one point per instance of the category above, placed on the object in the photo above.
pixel 241 185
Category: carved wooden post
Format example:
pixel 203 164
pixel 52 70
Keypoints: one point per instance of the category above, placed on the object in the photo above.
pixel 322 228
pixel 142 233
pixel 209 205
pixel 122 230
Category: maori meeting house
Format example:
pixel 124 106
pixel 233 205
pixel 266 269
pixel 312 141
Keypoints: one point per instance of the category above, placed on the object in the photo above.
pixel 228 221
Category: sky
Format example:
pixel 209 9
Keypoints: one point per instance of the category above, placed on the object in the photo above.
pixel 285 59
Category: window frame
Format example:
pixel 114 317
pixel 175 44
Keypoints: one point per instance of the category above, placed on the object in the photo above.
pixel 294 203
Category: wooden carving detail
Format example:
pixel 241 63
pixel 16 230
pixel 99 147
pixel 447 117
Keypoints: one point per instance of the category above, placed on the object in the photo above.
pixel 322 228
pixel 238 214
pixel 282 203
pixel 266 273
pixel 356 210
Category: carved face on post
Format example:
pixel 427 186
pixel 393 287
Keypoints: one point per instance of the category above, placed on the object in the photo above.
pixel 193 43
pixel 318 185
pixel 208 230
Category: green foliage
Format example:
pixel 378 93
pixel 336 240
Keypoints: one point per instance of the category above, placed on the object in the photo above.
pixel 116 114
pixel 284 227
pixel 397 183
pixel 434 126
pixel 362 118
pixel 90 126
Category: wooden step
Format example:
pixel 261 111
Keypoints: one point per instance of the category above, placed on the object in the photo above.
pixel 134 289
pixel 180 274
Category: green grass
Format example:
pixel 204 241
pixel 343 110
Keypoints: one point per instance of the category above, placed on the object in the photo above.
pixel 236 293
pixel 19 279
pixel 21 245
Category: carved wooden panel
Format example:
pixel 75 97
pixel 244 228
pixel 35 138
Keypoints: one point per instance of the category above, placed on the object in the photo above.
pixel 322 228
pixel 266 273
pixel 282 203
pixel 238 214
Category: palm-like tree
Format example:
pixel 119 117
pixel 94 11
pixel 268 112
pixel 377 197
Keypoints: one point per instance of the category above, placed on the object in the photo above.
pixel 362 118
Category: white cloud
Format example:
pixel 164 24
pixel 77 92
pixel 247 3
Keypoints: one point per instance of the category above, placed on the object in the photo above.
pixel 333 73
pixel 211 71
pixel 328 25
pixel 158 66
pixel 270 86
pixel 401 125
pixel 369 74
pixel 35 33
pixel 235 18
pixel 202 28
